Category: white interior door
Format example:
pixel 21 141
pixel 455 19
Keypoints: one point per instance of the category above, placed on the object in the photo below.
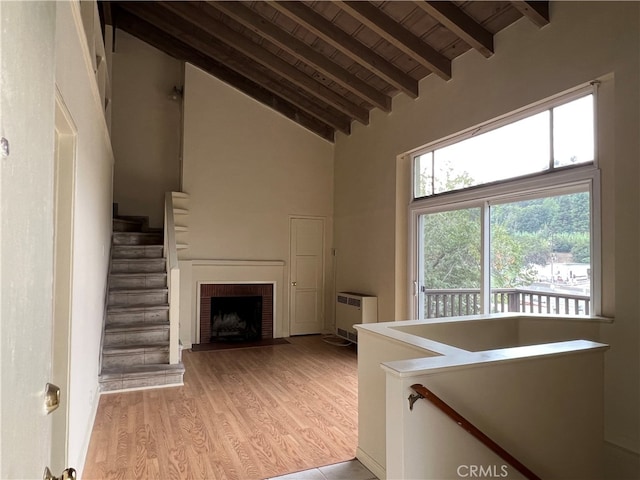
pixel 307 276
pixel 26 237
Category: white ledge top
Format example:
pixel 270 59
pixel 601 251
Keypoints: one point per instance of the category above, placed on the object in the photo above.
pixel 441 355
pixel 464 359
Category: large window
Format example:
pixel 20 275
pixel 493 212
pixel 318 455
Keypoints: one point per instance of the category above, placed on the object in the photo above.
pixel 502 217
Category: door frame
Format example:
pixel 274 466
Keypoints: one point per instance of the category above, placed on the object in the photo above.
pixel 65 170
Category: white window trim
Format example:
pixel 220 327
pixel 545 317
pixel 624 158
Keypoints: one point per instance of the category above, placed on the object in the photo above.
pixel 561 181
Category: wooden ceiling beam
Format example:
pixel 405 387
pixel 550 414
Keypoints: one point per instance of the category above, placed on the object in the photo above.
pixel 349 46
pixel 303 52
pixel 401 38
pixel 281 87
pixel 222 52
pixel 193 13
pixel 459 23
pixel 536 11
pixel 160 39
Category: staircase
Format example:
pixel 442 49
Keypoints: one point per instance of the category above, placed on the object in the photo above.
pixel 135 351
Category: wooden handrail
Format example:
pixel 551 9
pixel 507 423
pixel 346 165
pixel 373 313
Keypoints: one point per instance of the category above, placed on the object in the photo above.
pixel 424 392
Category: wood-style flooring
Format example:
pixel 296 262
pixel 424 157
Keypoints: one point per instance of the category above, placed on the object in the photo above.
pixel 242 414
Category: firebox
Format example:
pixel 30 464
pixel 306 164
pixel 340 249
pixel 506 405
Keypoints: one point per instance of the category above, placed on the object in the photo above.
pixel 236 318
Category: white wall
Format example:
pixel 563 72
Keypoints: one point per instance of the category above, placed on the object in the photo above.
pixel 248 169
pixel 585 41
pixel 419 441
pixel 52 52
pixel 146 127
pixel 92 221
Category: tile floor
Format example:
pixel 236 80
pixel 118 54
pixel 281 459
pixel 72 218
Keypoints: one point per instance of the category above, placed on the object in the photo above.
pixel 352 470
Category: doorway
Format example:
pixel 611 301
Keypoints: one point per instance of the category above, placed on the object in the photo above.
pixel 307 272
pixel 64 194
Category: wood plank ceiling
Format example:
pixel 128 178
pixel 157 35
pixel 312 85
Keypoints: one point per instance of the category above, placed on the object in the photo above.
pixel 323 64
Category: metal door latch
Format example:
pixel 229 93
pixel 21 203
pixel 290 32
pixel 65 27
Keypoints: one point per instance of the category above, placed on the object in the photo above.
pixel 67 474
pixel 4 147
pixel 51 397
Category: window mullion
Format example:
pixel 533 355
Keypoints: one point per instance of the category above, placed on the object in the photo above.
pixel 552 161
pixel 419 282
pixel 433 172
pixel 485 267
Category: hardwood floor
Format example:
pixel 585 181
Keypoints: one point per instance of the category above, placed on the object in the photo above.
pixel 242 414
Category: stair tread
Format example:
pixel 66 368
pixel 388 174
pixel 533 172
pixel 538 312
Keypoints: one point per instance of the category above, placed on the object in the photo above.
pixel 137 307
pixel 125 246
pixel 137 274
pixel 134 347
pixel 141 370
pixel 134 326
pixel 136 260
pixel 138 290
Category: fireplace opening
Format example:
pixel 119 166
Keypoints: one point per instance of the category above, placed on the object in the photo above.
pixel 251 303
pixel 236 318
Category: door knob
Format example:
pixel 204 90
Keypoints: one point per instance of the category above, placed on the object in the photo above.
pixel 294 284
pixel 67 474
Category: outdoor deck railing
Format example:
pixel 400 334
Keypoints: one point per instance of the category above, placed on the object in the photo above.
pixel 461 301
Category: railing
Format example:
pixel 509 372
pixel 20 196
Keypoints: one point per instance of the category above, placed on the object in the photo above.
pixel 173 279
pixel 423 392
pixel 467 301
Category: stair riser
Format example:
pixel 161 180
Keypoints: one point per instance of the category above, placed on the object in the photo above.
pixel 148 316
pixel 150 281
pixel 126 226
pixel 148 266
pixel 138 251
pixel 138 298
pixel 138 358
pixel 136 337
pixel 123 238
pixel 145 382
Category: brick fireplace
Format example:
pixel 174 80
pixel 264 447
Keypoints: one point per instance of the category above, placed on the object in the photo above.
pixel 221 294
pixel 207 273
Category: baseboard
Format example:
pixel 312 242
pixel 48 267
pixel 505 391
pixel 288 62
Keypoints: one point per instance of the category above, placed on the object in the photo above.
pixel 79 466
pixel 373 466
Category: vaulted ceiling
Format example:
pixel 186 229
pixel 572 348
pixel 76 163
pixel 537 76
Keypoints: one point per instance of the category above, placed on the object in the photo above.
pixel 323 64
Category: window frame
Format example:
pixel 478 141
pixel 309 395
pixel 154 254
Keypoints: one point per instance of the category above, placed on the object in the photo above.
pixel 556 181
pixel 525 112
